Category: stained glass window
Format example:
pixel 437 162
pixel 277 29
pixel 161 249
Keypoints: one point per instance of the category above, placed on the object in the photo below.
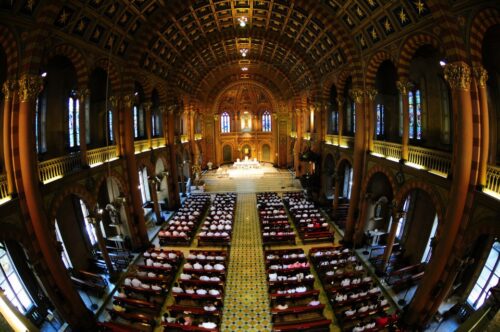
pixel 73 121
pixel 380 130
pixel 110 126
pixel 89 226
pixel 225 123
pixel 415 114
pixel 353 113
pixel 488 278
pixel 15 290
pixel 135 115
pixel 266 121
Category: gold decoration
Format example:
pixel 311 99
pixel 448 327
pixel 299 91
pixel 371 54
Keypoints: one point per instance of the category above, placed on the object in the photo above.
pixel 216 117
pixel 147 106
pixel 371 94
pixel 128 100
pixel 113 101
pixel 481 76
pixel 83 96
pixel 29 87
pixel 357 95
pixel 404 86
pixel 340 101
pixel 8 88
pixel 457 74
pixel 162 109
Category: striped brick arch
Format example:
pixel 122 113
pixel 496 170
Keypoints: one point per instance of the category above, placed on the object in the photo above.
pixel 146 85
pixel 162 93
pixel 76 58
pixel 410 46
pixel 111 71
pixel 9 45
pixel 117 177
pixel 373 66
pixel 341 80
pixel 78 190
pixel 344 159
pixel 482 21
pixel 418 184
pixel 146 162
pixel 488 226
pixel 382 170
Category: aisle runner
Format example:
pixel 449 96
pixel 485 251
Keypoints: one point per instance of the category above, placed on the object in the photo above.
pixel 246 305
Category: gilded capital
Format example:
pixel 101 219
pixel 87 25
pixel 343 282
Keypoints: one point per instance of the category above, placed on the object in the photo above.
pixel 481 75
pixel 9 88
pixel 29 87
pixel 357 95
pixel 147 105
pixel 371 93
pixel 162 109
pixel 340 101
pixel 83 95
pixel 457 74
pixel 113 101
pixel 216 117
pixel 404 86
pixel 128 100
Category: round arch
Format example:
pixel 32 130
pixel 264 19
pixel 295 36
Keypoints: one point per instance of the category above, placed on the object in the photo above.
pixel 373 66
pixel 9 45
pixel 481 22
pixel 410 46
pixel 77 190
pixel 75 57
pixel 379 169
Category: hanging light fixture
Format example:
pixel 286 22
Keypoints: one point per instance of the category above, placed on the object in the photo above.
pixel 244 52
pixel 243 21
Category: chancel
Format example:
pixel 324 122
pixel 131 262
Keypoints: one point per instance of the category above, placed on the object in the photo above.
pixel 249 165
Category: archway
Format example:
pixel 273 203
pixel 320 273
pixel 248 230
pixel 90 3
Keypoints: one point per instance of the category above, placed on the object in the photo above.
pixel 266 153
pixel 386 118
pixel 246 151
pixel 227 154
pixel 329 176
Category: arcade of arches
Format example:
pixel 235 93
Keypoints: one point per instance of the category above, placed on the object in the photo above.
pixel 116 114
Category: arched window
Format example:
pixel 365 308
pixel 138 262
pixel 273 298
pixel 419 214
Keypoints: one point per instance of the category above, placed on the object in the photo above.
pixel 144 185
pixel 334 121
pixel 73 121
pixel 40 120
pixel 347 182
pixel 350 116
pixel 380 130
pixel 64 253
pixel 415 114
pixel 488 278
pixel 266 121
pixel 225 124
pixel 135 119
pixel 89 226
pixel 402 223
pixel 12 284
pixel 110 126
pixel 155 123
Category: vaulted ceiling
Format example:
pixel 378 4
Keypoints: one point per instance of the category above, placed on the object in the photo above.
pixel 197 45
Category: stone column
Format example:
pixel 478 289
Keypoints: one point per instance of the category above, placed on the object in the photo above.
pixel 360 226
pixel 481 76
pixel 173 191
pixel 113 101
pixel 62 292
pixel 404 87
pixel 141 238
pixel 391 238
pixel 370 117
pixel 298 143
pixel 357 169
pixel 436 280
pixel 83 100
pixel 146 106
pixel 9 92
pixel 217 146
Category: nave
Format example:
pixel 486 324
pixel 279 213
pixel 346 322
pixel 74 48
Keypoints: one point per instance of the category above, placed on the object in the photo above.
pixel 280 285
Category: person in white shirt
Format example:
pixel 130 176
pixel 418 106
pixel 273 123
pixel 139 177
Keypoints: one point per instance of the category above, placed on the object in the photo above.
pixel 213 292
pixel 201 291
pixel 350 312
pixel 208 325
pixel 197 266
pixel 219 267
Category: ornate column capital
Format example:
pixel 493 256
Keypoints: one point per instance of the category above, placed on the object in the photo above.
pixel 162 109
pixel 371 93
pixel 340 101
pixel 113 101
pixel 8 88
pixel 29 87
pixel 128 101
pixel 357 95
pixel 404 86
pixel 216 117
pixel 481 75
pixel 171 109
pixel 457 74
pixel 83 95
pixel 147 106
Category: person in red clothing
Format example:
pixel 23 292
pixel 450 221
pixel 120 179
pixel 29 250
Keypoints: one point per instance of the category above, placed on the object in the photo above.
pixel 382 320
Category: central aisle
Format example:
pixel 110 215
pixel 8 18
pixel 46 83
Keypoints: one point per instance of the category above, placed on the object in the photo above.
pixel 246 305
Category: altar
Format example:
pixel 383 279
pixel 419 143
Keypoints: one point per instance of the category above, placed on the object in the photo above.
pixel 246 163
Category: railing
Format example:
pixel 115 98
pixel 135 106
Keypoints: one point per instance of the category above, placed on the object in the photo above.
pixel 306 136
pixel 432 160
pixel 141 146
pixel 99 156
pixel 198 137
pixel 387 150
pixel 293 134
pixel 56 168
pixel 347 142
pixel 184 138
pixel 4 190
pixel 332 139
pixel 493 179
pixel 158 142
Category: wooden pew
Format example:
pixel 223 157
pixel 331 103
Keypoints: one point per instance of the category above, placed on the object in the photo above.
pixel 133 317
pixel 174 327
pixel 293 315
pixel 322 325
pixel 138 304
pixel 119 327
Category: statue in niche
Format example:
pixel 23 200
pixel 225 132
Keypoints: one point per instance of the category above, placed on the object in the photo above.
pixel 246 121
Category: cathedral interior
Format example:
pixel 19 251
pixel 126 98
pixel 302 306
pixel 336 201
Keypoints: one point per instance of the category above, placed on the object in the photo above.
pixel 249 165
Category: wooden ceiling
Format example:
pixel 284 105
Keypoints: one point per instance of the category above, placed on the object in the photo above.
pixel 186 42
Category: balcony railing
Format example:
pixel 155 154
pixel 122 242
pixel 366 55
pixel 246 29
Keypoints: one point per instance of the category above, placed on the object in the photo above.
pixel 387 150
pixel 198 137
pixel 293 134
pixel 306 136
pixel 157 143
pixel 332 139
pixel 4 190
pixel 184 138
pixel 141 146
pixel 493 179
pixel 434 161
pixel 96 157
pixel 347 142
pixel 54 169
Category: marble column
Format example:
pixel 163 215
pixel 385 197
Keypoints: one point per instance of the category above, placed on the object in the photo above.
pixel 481 77
pixel 404 87
pixel 83 100
pixel 9 92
